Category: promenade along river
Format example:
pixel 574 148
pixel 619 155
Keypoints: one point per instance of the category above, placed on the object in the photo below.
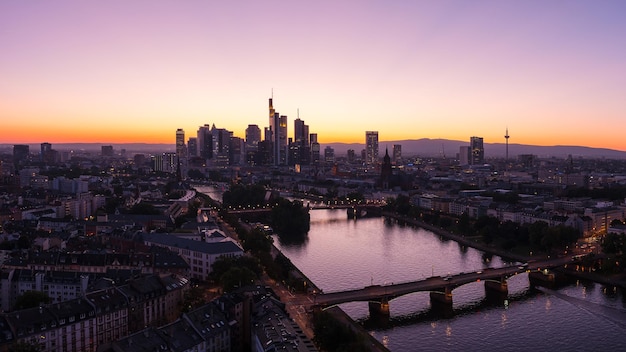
pixel 342 254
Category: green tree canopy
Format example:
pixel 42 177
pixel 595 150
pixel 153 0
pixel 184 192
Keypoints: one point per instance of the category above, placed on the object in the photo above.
pixel 30 299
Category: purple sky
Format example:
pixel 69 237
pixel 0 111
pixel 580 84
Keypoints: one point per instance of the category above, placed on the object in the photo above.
pixel 553 72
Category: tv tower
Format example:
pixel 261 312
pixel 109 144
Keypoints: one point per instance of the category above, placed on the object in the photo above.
pixel 506 137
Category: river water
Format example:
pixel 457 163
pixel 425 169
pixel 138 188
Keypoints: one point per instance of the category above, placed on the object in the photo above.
pixel 341 254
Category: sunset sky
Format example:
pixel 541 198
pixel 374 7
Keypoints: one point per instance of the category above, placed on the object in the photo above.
pixel 553 72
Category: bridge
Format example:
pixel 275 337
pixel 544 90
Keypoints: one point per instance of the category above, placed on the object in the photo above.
pixel 352 207
pixel 440 288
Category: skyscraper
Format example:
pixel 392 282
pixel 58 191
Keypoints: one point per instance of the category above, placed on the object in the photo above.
pixel 221 146
pixel 477 151
pixel 45 149
pixel 181 149
pixel 371 148
pixel 315 148
pixel 205 142
pixel 20 154
pixel 397 154
pixel 278 125
pixel 192 146
pixel 253 137
pixel 299 148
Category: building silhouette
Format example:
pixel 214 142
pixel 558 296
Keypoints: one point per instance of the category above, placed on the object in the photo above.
pixel 278 126
pixel 477 151
pixel 181 148
pixel 385 171
pixel 371 148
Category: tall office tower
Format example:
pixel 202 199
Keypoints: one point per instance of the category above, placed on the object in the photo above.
pixel 170 162
pixel 371 148
pixel 329 154
pixel 192 146
pixel 506 137
pixel 477 151
pixel 235 151
pixel 46 148
pixel 278 124
pixel 299 150
pixel 20 155
pixel 397 154
pixel 351 156
pixel 300 132
pixel 464 155
pixel 315 148
pixel 253 137
pixel 205 142
pixel 221 146
pixel 106 150
pixel 181 149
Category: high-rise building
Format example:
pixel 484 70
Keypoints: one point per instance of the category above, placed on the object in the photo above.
pixel 251 146
pixel 205 142
pixel 235 151
pixel 351 156
pixel 106 150
pixel 329 154
pixel 397 154
pixel 253 137
pixel 278 125
pixel 315 148
pixel 21 153
pixel 192 146
pixel 477 151
pixel 299 147
pixel 464 155
pixel 181 149
pixel 221 146
pixel 45 149
pixel 371 148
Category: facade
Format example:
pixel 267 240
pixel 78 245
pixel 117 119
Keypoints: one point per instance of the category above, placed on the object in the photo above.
pixel 477 151
pixel 278 126
pixel 205 142
pixel 80 324
pixel 397 154
pixel 464 155
pixel 253 137
pixel 21 154
pixel 181 148
pixel 371 148
pixel 315 148
pixel 107 150
pixel 199 255
pixel 192 146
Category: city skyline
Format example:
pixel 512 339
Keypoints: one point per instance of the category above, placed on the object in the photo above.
pixel 134 72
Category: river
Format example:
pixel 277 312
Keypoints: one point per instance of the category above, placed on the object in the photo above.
pixel 341 254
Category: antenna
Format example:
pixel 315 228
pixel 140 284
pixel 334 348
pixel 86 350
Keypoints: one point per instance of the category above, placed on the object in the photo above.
pixel 506 137
pixel 272 93
pixel 298 112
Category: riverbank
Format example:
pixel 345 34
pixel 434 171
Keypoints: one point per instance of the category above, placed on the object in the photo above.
pixel 609 280
pixel 296 303
pixel 464 240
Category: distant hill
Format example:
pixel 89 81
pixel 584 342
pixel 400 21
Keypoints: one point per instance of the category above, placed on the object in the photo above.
pixel 96 147
pixel 450 148
pixel 411 147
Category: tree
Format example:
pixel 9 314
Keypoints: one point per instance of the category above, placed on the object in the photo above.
pixel 31 299
pixel 144 209
pixel 25 347
pixel 237 277
pixel 290 219
pixel 240 195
